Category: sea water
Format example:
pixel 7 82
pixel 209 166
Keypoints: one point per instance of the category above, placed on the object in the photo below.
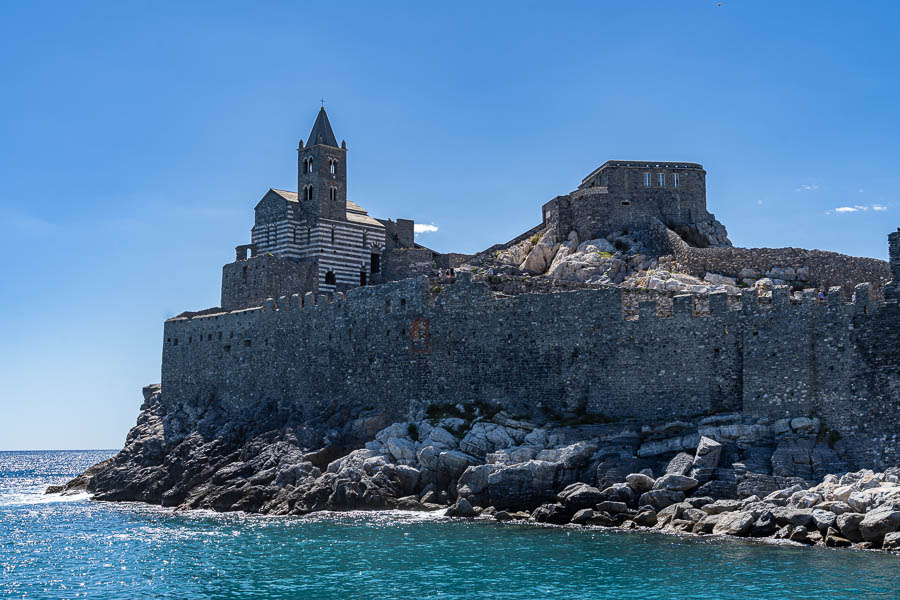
pixel 54 546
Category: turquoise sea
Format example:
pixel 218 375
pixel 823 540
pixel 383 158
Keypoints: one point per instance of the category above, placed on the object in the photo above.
pixel 70 547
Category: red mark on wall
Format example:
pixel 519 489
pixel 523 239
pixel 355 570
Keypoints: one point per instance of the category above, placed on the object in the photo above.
pixel 419 337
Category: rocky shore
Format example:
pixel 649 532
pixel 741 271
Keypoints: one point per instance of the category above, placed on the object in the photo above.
pixel 718 474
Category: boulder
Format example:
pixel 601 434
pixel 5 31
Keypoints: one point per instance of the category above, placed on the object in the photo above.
pixel 835 506
pixel 551 513
pixel 736 523
pixel 891 541
pixel 706 459
pixel 577 455
pixel 860 501
pixel 794 517
pixel 823 520
pixel 619 492
pixel 579 495
pixel 484 438
pixel 680 483
pixel 582 516
pixel 639 482
pixel 764 526
pixel 721 506
pixel 659 499
pixel 834 540
pixel 525 484
pixel 646 518
pixel 878 522
pixel 461 509
pixel 681 464
pixel 611 507
pixel 848 525
pixel 451 464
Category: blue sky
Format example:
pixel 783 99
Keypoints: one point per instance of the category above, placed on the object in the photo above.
pixel 137 137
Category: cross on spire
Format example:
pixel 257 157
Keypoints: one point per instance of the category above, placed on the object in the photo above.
pixel 323 102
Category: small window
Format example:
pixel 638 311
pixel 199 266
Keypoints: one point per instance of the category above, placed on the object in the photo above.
pixel 661 179
pixel 646 179
pixel 387 306
pixel 333 194
pixel 309 166
pixel 332 236
pixel 329 278
pixel 333 167
pixel 674 179
pixel 294 232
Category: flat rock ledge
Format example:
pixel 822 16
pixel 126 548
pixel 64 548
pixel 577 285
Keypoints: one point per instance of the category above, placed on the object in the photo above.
pixel 719 475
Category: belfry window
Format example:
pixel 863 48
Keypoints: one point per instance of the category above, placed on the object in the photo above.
pixel 333 166
pixel 661 179
pixel 646 179
pixel 309 165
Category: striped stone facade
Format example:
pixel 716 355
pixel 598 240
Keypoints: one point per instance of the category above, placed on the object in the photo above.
pixel 343 248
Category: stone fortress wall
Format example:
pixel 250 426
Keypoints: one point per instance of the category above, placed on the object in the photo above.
pixel 379 348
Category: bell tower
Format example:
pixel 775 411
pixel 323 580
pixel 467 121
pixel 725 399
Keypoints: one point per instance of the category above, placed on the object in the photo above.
pixel 322 172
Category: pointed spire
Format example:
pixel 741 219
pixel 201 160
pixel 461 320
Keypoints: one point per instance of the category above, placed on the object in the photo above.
pixel 321 132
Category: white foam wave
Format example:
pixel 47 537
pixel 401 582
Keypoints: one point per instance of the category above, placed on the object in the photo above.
pixel 38 497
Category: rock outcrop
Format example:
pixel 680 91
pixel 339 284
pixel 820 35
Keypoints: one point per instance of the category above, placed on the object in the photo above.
pixel 709 476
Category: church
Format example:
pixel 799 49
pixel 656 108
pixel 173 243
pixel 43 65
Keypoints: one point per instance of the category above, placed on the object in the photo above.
pixel 315 239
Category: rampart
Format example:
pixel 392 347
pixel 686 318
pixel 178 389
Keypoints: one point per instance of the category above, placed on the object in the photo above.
pixel 796 265
pixel 379 348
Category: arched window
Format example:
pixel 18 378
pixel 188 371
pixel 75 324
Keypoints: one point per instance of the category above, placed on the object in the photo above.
pixel 309 165
pixel 329 278
pixel 309 192
pixel 333 166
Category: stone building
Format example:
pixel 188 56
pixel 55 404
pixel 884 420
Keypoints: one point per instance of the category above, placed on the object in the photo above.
pixel 619 195
pixel 314 240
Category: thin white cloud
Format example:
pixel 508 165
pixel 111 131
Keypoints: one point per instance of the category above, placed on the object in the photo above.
pixel 808 187
pixel 857 208
pixel 424 228
pixel 860 190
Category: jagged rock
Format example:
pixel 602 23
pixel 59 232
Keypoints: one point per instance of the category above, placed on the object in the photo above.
pixel 721 506
pixel 619 492
pixel 525 484
pixel 706 459
pixel 793 516
pixel 461 509
pixel 551 513
pixel 579 495
pixel 583 516
pixel 639 482
pixel 502 515
pixel 484 438
pixel 717 489
pixel 878 522
pixel 699 501
pixel 848 524
pixel 860 501
pixel 439 436
pixel 541 255
pixel 511 456
pixel 799 534
pixel 659 499
pixel 891 541
pixel 474 480
pixel 646 518
pixel 834 540
pixel 577 455
pixel 680 465
pixel 611 507
pixel 764 526
pixel 823 520
pixel 451 464
pixel 835 506
pixel 736 523
pixel 678 483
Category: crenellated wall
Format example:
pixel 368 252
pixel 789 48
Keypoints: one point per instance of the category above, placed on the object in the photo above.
pixel 378 348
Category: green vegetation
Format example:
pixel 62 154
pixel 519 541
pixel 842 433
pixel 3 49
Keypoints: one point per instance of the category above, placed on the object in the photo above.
pixel 535 239
pixel 413 432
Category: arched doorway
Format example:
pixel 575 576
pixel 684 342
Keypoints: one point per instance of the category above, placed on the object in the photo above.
pixel 330 278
